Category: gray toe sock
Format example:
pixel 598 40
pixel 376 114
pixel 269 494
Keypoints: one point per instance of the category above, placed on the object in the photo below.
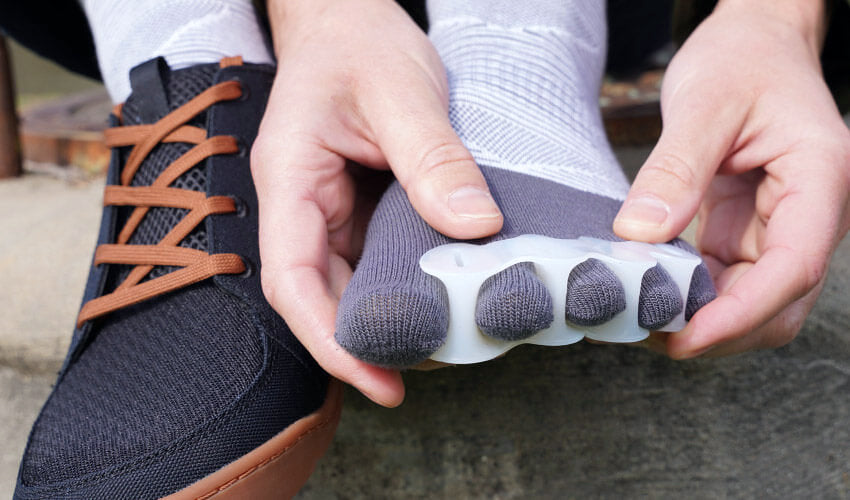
pixel 392 314
pixel 594 294
pixel 701 291
pixel 523 97
pixel 513 304
pixel 660 300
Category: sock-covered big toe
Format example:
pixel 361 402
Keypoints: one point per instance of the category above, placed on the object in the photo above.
pixel 394 327
pixel 392 314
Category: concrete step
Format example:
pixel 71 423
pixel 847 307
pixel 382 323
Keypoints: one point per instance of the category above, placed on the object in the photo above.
pixel 49 231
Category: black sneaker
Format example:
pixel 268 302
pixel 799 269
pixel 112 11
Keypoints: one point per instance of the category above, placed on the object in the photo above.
pixel 181 380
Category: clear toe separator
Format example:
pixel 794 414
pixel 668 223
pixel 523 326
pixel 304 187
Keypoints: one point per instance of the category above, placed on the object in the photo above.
pixel 463 268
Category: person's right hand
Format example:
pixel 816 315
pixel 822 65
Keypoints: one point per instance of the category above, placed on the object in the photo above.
pixel 356 82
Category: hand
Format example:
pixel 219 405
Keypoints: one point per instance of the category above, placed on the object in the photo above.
pixel 752 132
pixel 358 82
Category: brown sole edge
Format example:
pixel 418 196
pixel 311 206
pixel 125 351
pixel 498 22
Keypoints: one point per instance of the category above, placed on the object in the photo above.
pixel 279 467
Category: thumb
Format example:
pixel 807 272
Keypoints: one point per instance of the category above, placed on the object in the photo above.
pixel 438 173
pixel 669 187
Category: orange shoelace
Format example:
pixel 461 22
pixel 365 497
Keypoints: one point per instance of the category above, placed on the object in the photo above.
pixel 195 265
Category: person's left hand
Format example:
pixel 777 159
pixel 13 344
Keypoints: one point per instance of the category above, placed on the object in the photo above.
pixel 753 138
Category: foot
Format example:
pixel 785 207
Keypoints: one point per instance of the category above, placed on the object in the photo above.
pixel 180 379
pixel 526 108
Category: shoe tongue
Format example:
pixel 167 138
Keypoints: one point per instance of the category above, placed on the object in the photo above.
pixel 158 90
pixel 148 82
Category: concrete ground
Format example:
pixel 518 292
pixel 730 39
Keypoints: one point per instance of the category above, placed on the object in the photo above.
pixel 49 230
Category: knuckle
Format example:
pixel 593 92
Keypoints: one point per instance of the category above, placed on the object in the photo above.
pixel 671 169
pixel 286 150
pixel 789 326
pixel 263 155
pixel 815 273
pixel 811 271
pixel 806 274
pixel 788 334
pixel 269 287
pixel 260 150
pixel 443 157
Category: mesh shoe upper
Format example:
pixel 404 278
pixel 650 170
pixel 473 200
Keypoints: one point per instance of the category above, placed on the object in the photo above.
pixel 156 395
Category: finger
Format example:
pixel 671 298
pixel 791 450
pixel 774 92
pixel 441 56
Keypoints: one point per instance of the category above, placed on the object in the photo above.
pixel 775 333
pixel 298 285
pixel 794 262
pixel 666 193
pixel 730 229
pixel 430 365
pixel 301 278
pixel 441 179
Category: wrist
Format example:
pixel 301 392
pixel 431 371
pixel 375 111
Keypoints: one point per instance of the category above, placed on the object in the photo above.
pixel 306 17
pixel 807 17
pixel 286 13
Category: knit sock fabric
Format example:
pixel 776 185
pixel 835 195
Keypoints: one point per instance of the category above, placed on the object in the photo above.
pixel 184 32
pixel 524 80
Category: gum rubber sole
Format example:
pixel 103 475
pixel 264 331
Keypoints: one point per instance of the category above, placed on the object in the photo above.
pixel 280 466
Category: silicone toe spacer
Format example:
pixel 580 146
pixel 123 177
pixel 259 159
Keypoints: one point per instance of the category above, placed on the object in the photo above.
pixel 463 268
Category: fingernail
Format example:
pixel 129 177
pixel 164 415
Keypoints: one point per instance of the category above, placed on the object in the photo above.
pixel 644 211
pixel 473 202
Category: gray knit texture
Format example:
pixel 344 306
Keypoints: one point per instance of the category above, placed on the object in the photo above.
pixel 513 304
pixel 660 300
pixel 594 294
pixel 701 290
pixel 393 314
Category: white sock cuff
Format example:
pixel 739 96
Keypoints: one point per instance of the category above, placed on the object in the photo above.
pixel 185 32
pixel 583 19
pixel 527 101
pixel 524 81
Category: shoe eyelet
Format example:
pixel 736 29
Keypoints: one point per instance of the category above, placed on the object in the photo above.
pixel 246 90
pixel 242 148
pixel 249 269
pixel 241 207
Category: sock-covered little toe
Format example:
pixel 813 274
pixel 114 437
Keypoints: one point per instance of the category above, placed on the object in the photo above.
pixel 513 304
pixel 701 291
pixel 394 327
pixel 594 294
pixel 660 300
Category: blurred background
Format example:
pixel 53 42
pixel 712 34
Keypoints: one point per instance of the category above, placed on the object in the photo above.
pixel 47 233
